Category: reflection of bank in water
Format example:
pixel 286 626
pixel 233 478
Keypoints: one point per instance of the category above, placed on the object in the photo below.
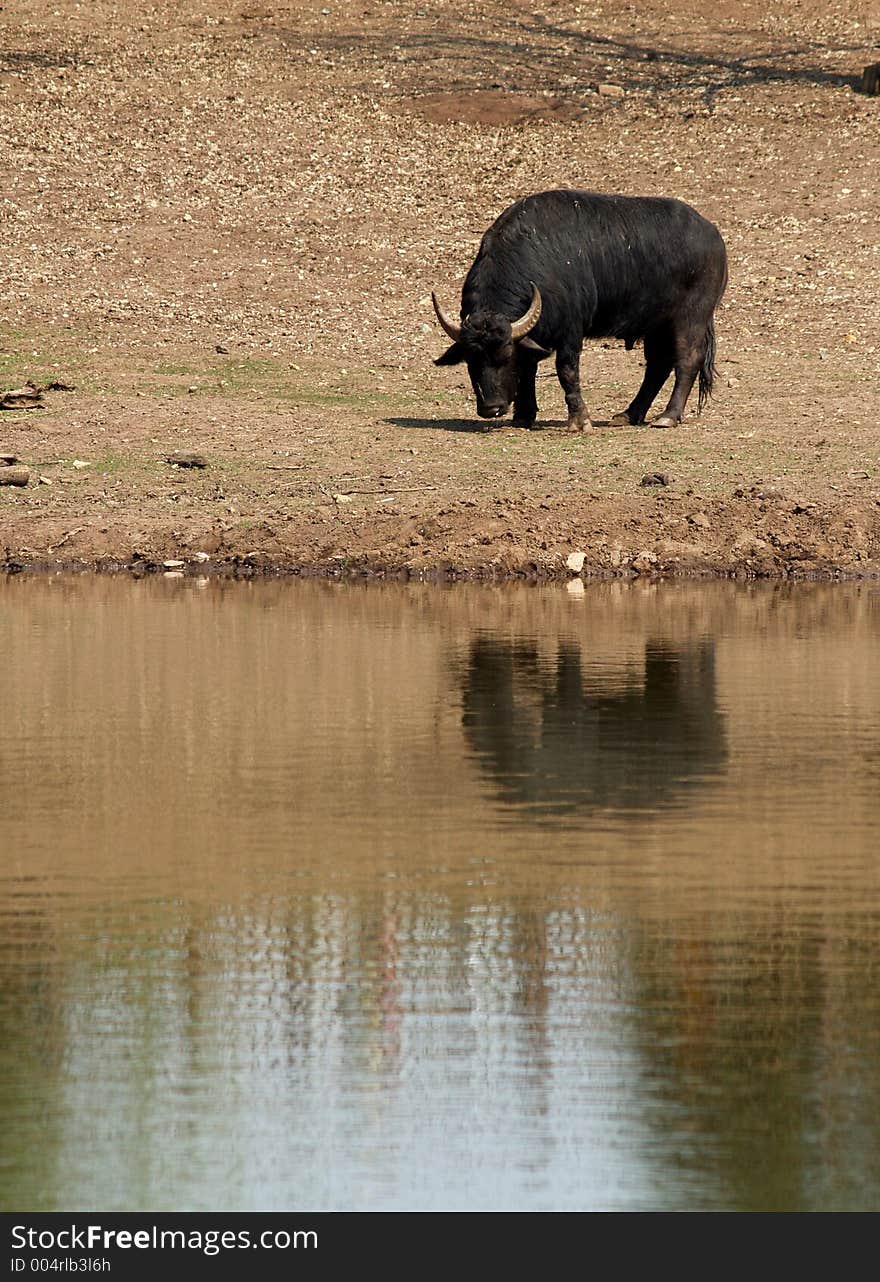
pixel 564 735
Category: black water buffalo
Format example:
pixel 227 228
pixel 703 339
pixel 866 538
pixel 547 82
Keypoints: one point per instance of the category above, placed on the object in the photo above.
pixel 561 266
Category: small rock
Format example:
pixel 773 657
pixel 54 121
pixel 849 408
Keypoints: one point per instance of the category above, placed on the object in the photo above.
pixel 655 478
pixel 174 565
pixel 223 350
pixel 6 460
pixel 14 475
pixel 575 561
pixel 341 498
pixel 699 519
pixel 79 464
pixel 611 91
pixel 644 560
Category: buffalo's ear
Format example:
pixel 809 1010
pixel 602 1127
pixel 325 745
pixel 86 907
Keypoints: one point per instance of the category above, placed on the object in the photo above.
pixel 536 348
pixel 453 355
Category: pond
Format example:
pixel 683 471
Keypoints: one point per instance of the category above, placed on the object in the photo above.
pixel 325 896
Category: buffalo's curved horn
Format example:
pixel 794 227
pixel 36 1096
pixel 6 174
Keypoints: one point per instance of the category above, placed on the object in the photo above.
pixel 519 328
pixel 453 330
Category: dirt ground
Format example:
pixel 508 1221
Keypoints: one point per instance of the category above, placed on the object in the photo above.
pixel 221 223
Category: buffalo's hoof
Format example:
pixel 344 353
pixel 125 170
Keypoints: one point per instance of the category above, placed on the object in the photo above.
pixel 665 420
pixel 622 420
pixel 527 423
pixel 580 423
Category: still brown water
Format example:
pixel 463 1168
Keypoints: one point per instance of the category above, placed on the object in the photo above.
pixel 320 896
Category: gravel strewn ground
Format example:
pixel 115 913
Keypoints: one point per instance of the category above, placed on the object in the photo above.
pixel 221 225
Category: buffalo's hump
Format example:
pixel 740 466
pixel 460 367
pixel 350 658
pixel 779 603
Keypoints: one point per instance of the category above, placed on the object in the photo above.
pixel 606 265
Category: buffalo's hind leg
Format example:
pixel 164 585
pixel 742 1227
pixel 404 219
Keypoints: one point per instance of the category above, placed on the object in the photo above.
pixel 690 352
pixel 659 359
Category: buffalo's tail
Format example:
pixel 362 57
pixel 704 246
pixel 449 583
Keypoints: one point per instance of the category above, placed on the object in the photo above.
pixel 707 369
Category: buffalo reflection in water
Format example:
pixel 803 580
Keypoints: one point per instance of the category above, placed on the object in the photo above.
pixel 557 737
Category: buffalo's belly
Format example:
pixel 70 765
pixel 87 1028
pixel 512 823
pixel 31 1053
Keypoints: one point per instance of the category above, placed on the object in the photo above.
pixel 632 316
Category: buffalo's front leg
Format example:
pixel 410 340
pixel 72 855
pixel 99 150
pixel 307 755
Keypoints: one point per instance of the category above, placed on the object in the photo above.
pixel 525 405
pixel 568 371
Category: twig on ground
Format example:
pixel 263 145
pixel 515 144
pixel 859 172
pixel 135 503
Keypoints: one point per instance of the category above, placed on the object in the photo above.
pixel 64 539
pixel 396 489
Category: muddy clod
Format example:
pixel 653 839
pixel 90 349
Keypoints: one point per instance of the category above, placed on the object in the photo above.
pixel 186 458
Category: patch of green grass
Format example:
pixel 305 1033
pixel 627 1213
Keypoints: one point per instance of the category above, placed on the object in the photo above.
pixel 44 358
pixel 240 377
pixel 114 464
pixel 356 399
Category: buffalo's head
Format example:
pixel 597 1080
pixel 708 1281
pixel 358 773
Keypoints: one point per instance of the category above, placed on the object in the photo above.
pixel 492 346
